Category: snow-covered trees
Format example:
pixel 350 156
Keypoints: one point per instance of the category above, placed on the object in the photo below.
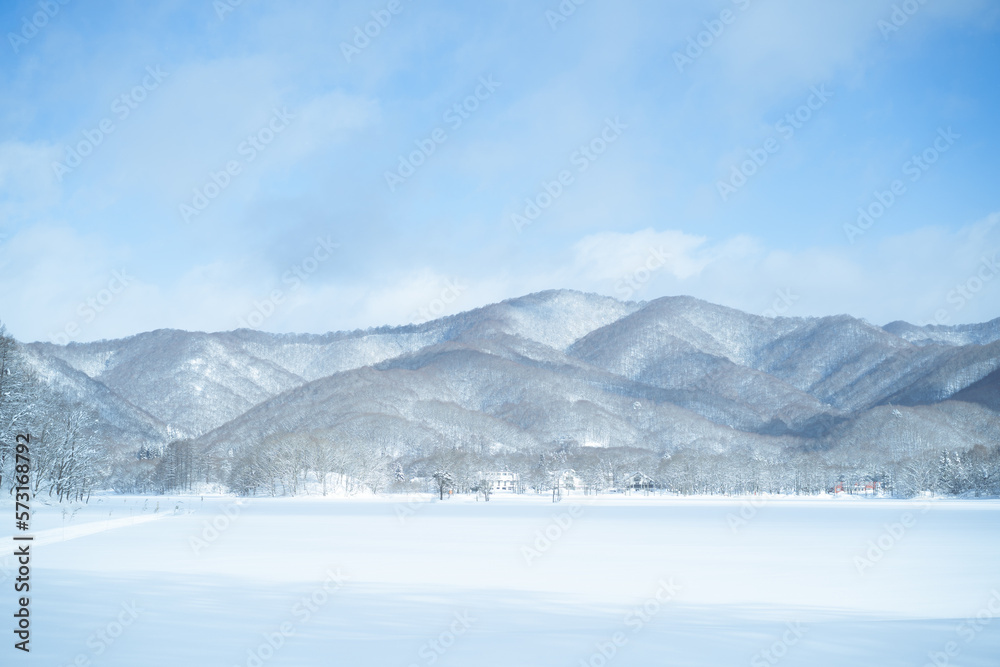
pixel 444 481
pixel 68 460
pixel 485 487
pixel 76 459
pixel 343 458
pixel 18 398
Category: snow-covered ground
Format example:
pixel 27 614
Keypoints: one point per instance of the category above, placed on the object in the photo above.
pixel 517 581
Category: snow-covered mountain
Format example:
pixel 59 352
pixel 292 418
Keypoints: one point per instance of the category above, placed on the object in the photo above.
pixel 550 367
pixel 962 334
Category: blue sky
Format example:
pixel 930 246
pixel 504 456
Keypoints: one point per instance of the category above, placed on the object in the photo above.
pixel 309 235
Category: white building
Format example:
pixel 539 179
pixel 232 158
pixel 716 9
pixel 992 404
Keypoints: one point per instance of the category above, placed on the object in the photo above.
pixel 502 480
pixel 567 480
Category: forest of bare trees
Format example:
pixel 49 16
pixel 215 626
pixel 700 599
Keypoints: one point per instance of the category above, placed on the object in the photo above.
pixel 328 461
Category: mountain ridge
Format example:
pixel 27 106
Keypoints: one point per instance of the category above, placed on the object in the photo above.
pixel 551 366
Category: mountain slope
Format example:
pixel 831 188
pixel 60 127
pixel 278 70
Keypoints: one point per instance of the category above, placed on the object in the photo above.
pixel 550 367
pixel 961 334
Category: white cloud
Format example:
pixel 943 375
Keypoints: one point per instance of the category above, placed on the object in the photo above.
pixel 46 274
pixel 610 256
pixel 909 276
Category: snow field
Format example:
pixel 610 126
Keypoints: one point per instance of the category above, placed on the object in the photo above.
pixel 519 580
